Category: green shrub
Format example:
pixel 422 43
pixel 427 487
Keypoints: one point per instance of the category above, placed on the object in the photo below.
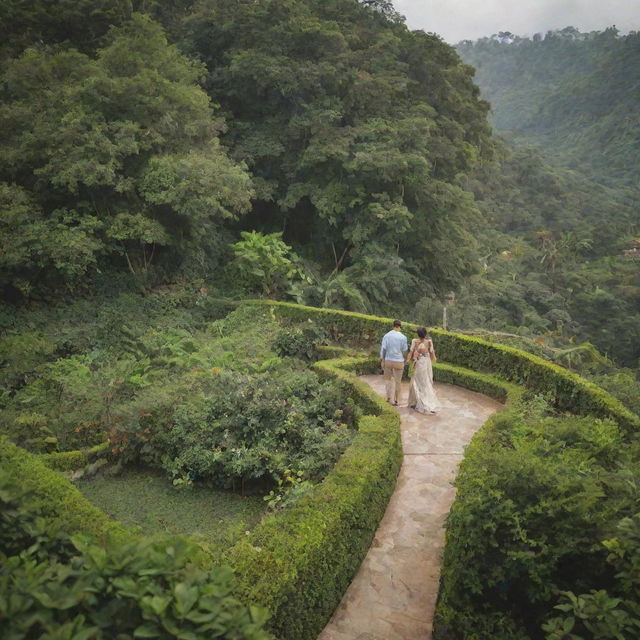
pixel 71 402
pixel 480 382
pixel 244 428
pixel 56 586
pixel 264 264
pixel 20 355
pixel 56 498
pixel 600 614
pixel 536 493
pixel 299 342
pixel 72 460
pixel 327 352
pixel 299 561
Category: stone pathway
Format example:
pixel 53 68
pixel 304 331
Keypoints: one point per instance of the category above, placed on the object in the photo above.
pixel 393 595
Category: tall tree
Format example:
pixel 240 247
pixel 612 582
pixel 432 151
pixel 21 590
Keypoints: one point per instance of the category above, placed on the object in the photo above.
pixel 120 151
pixel 356 131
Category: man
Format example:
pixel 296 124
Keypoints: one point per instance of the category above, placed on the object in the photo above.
pixel 392 354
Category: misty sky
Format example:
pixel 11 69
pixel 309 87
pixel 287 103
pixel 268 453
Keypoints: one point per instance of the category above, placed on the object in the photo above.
pixel 457 20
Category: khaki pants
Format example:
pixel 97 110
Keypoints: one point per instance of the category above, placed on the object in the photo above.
pixel 393 377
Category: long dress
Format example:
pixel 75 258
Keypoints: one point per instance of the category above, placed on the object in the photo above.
pixel 422 395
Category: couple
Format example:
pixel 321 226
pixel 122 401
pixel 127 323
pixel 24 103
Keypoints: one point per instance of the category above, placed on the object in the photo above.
pixel 394 348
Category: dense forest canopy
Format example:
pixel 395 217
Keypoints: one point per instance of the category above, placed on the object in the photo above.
pixel 342 129
pixel 148 141
pixel 577 95
pixel 568 209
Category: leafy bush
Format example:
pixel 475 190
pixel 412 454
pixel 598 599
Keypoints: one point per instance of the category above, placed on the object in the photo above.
pixel 535 495
pixel 20 354
pixel 265 264
pixel 56 586
pixel 599 614
pixel 299 561
pixel 300 342
pixel 624 385
pixel 244 428
pixel 61 401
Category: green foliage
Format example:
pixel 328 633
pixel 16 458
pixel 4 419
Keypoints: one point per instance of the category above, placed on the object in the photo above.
pixel 299 342
pixel 558 90
pixel 244 429
pixel 56 499
pixel 74 460
pixel 566 210
pixel 624 385
pixel 600 614
pixel 132 353
pixel 554 263
pixel 481 382
pixel 298 561
pixel 356 131
pixel 54 585
pixel 265 264
pixel 82 22
pixel 535 493
pixel 117 155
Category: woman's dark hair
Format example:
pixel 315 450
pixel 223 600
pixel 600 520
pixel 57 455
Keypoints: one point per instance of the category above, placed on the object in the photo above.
pixel 422 332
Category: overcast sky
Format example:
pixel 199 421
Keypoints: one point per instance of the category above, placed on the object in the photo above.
pixel 457 20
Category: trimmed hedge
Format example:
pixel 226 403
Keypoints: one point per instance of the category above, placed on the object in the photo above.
pixel 328 352
pixel 484 383
pixel 536 496
pixel 72 460
pixel 61 502
pixel 565 390
pixel 299 562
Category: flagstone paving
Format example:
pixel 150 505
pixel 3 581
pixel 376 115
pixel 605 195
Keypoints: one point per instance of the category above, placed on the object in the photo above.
pixel 393 595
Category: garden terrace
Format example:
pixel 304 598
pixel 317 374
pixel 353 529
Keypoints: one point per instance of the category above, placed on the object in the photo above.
pixel 298 561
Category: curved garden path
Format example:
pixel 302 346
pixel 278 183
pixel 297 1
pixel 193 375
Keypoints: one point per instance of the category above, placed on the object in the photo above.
pixel 393 595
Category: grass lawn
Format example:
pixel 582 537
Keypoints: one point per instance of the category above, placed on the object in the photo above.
pixel 148 499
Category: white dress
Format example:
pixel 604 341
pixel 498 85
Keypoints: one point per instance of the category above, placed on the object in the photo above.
pixel 422 395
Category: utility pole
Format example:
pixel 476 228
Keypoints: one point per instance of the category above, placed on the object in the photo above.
pixel 448 301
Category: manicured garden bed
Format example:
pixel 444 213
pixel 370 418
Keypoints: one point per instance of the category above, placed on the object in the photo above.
pixel 147 499
pixel 298 561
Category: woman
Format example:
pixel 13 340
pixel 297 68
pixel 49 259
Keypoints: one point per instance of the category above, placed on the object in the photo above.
pixel 422 395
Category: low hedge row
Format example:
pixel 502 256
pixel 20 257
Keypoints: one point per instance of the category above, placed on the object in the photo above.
pixel 565 390
pixel 298 562
pixel 71 460
pixel 537 495
pixel 484 383
pixel 61 502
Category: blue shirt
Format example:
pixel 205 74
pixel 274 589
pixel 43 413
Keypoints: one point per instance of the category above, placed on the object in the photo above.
pixel 394 346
